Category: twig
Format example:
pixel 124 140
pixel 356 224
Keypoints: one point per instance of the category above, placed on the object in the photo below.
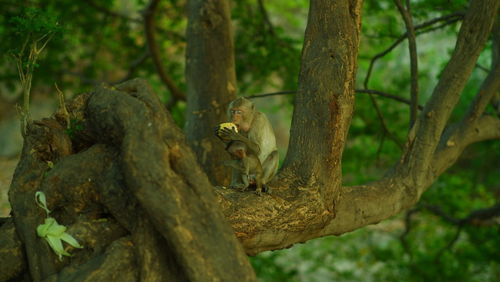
pixel 412 45
pixel 25 70
pixel 62 105
pixel 149 27
pixel 382 122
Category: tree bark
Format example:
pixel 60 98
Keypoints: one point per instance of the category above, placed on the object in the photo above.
pixel 325 98
pixel 131 191
pixel 211 81
pixel 141 207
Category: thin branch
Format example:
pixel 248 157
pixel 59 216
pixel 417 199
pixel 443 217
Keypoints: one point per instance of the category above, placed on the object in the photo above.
pixel 383 123
pixel 374 102
pixel 488 89
pixel 265 15
pixel 483 214
pixel 149 26
pixel 408 226
pixel 448 19
pixel 412 45
pixel 362 91
pixel 262 95
pixel 62 106
pixel 437 210
pixel 133 66
pixel 387 95
pixel 449 245
pixel 474 216
pixel 380 146
pixel 483 68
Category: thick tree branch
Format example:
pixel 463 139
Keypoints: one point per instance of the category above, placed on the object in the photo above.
pixel 412 45
pixel 450 149
pixel 429 128
pixel 149 27
pixel 327 76
pixel 488 89
pixel 175 192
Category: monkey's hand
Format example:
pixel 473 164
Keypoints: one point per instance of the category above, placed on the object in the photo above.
pixel 229 134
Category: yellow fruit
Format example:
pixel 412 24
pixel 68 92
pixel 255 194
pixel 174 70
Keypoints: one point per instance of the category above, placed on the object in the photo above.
pixel 229 125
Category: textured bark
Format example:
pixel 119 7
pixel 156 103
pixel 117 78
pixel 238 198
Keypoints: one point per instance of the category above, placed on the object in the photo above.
pixel 298 211
pixel 131 191
pixel 430 126
pixel 211 81
pixel 12 260
pixel 134 197
pixel 325 99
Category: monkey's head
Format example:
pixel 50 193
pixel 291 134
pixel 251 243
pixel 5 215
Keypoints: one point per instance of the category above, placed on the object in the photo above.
pixel 238 149
pixel 240 112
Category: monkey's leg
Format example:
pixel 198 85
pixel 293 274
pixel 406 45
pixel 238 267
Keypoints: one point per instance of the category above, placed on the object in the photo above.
pixel 258 181
pixel 270 167
pixel 236 179
pixel 244 179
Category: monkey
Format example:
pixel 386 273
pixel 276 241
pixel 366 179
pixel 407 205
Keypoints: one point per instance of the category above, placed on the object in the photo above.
pixel 246 164
pixel 256 132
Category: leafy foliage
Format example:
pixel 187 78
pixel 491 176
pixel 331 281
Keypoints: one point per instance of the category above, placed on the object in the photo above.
pixel 103 41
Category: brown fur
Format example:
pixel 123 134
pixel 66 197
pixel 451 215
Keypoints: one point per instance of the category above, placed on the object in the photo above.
pixel 256 132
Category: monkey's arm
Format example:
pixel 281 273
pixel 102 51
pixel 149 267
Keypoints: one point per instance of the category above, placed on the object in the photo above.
pixel 236 164
pixel 235 136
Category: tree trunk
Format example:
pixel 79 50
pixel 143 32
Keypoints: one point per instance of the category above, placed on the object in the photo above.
pixel 129 190
pixel 325 99
pixel 132 193
pixel 211 81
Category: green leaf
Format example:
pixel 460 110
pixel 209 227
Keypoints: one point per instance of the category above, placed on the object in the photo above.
pixel 70 240
pixel 53 232
pixel 41 201
pixel 56 245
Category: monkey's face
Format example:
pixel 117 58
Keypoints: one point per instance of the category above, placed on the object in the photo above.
pixel 241 117
pixel 240 153
pixel 238 149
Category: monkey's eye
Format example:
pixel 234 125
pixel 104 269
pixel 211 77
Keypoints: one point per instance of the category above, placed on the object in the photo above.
pixel 236 112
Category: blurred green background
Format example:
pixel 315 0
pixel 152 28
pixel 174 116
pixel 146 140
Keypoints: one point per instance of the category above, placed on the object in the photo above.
pixel 95 42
